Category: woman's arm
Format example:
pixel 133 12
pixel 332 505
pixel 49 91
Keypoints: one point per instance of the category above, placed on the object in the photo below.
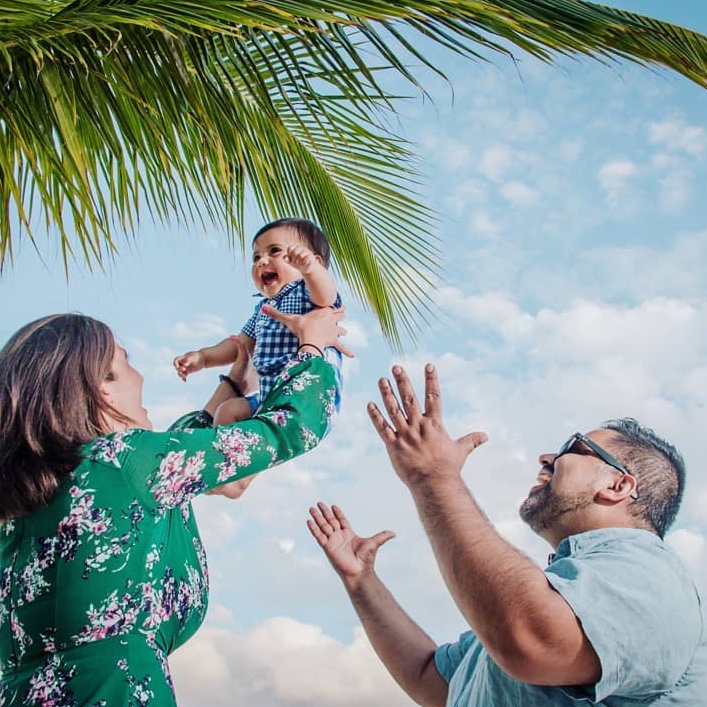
pixel 175 466
pixel 169 468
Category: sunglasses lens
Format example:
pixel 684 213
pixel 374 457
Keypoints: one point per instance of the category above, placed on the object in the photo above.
pixel 567 446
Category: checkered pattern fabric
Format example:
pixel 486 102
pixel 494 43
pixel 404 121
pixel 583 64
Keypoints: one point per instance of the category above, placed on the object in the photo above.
pixel 275 345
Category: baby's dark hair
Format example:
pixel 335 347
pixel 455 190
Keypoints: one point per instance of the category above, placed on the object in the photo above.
pixel 308 231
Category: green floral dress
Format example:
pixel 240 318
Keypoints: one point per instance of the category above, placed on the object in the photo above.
pixel 99 586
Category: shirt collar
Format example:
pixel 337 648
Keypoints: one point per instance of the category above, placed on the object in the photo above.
pixel 591 538
pixel 284 291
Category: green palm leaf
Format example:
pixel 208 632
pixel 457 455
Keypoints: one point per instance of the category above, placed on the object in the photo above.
pixel 115 109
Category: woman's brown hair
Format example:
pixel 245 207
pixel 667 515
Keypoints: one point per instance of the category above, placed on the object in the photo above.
pixel 50 404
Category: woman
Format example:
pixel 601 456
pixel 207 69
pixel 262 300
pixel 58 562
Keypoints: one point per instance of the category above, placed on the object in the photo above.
pixel 102 572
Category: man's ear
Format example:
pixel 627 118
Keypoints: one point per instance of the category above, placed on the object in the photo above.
pixel 620 488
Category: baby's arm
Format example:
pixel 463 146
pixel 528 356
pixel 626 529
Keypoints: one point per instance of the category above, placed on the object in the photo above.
pixel 318 279
pixel 220 354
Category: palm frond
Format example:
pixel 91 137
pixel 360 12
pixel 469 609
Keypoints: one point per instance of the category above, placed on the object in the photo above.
pixel 113 109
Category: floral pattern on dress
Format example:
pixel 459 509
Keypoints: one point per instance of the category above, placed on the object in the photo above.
pixel 236 445
pixel 83 518
pixel 178 478
pixel 107 449
pixel 49 686
pixel 114 616
pixel 147 605
pixel 328 398
pixel 22 640
pixel 309 438
pixel 5 588
pixel 140 693
pixel 299 382
pixel 119 546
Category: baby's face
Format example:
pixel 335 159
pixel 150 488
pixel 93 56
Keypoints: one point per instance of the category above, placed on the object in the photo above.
pixel 271 269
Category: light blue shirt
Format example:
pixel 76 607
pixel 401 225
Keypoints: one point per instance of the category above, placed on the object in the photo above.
pixel 641 612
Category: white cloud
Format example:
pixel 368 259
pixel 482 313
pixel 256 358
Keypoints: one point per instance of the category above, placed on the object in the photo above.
pixel 570 150
pixel 356 337
pixel 520 194
pixel 484 225
pixel 287 545
pixel 677 135
pixel 615 176
pixel 692 548
pixel 452 154
pixel 496 161
pixel 465 194
pixel 203 330
pixel 281 662
pixel 675 190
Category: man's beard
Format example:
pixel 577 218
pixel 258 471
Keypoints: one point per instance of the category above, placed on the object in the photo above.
pixel 543 509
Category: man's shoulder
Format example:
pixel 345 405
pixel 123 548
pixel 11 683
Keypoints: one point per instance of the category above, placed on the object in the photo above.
pixel 626 554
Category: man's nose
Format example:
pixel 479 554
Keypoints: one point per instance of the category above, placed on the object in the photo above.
pixel 547 459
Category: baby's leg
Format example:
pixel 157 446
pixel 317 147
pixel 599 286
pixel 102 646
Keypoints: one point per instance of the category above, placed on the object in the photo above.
pixel 232 410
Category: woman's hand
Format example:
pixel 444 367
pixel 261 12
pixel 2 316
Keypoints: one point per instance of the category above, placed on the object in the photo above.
pixel 320 327
pixel 233 489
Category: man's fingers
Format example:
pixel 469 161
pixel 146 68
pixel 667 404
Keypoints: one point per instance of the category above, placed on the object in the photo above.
pixel 381 538
pixel 340 517
pixel 398 418
pixel 471 441
pixel 328 516
pixel 407 393
pixel 433 400
pixel 316 532
pixel 385 431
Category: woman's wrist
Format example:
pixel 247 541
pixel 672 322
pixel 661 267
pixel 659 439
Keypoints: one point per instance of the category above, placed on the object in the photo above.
pixel 310 349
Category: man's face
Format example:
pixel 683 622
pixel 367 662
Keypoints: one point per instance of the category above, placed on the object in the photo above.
pixel 567 485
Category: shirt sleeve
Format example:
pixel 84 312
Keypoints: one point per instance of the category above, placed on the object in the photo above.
pixel 249 327
pixel 620 595
pixel 448 657
pixel 166 469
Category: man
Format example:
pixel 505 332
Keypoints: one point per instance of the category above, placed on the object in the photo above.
pixel 614 620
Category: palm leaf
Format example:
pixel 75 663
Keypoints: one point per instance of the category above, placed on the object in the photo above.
pixel 113 109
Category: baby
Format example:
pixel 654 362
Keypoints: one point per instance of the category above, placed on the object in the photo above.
pixel 290 269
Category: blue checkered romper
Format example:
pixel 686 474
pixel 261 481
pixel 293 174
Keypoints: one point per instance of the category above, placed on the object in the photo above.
pixel 275 344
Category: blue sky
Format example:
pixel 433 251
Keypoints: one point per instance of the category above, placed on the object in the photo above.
pixel 573 226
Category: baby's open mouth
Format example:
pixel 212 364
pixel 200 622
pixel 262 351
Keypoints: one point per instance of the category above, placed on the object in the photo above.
pixel 268 277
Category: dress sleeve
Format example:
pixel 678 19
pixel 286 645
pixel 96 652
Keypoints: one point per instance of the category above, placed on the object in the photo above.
pixel 166 469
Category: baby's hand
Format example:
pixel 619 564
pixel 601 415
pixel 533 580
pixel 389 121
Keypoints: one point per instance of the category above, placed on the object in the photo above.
pixel 187 363
pixel 302 258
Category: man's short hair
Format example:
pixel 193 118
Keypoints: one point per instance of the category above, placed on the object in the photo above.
pixel 659 470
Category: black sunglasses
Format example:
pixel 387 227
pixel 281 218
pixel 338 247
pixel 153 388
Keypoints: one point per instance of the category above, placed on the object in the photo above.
pixel 607 458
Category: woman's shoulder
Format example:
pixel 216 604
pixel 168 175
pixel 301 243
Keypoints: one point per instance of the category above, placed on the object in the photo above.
pixel 113 448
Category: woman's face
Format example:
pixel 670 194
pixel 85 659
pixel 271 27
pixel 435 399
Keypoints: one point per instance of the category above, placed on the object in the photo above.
pixel 124 393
